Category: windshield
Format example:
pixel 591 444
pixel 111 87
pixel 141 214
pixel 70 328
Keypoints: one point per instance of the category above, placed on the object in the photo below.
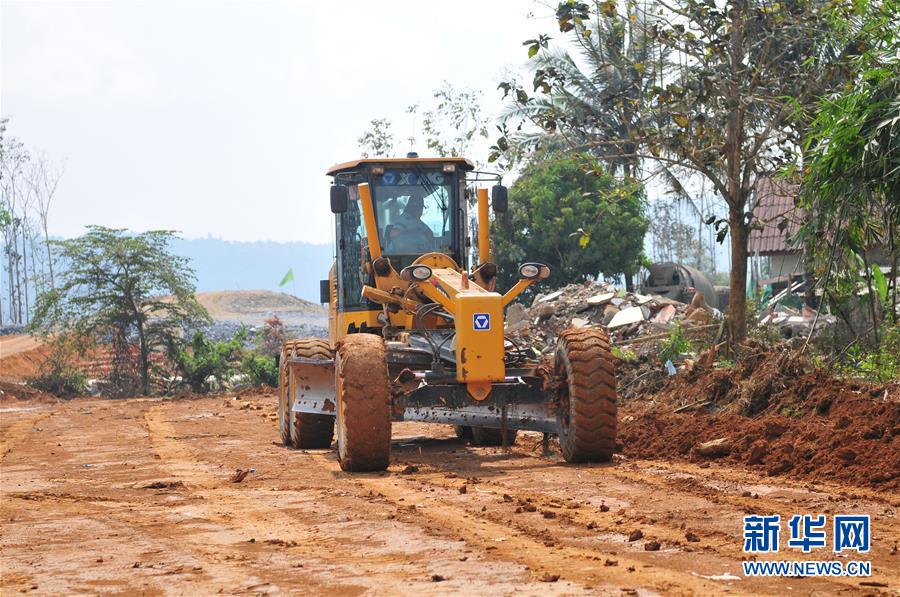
pixel 413 210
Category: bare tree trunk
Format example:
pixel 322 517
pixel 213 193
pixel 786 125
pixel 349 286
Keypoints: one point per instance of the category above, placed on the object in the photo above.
pixel 25 273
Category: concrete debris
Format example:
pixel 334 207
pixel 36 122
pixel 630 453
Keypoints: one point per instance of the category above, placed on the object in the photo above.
pixel 626 315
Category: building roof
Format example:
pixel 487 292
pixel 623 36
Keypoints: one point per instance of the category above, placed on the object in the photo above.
pixel 775 209
pixel 463 163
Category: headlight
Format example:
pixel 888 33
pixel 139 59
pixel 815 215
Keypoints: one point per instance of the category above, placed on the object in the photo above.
pixel 534 271
pixel 420 273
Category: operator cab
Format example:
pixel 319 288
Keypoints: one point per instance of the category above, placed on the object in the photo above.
pixel 418 210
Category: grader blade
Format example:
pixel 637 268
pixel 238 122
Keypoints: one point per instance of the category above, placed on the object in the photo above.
pixel 313 386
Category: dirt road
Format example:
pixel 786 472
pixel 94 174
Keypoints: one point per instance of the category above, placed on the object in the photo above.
pixel 135 497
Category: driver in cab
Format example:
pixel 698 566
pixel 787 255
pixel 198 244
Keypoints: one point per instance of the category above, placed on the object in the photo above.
pixel 409 234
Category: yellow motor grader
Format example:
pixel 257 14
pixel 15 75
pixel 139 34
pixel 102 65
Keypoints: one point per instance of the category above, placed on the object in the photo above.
pixel 417 334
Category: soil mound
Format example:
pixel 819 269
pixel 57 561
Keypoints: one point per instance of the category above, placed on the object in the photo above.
pixel 10 392
pixel 776 413
pixel 23 364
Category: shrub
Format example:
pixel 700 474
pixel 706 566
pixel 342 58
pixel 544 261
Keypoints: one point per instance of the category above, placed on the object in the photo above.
pixel 202 359
pixel 59 374
pixel 676 344
pixel 260 368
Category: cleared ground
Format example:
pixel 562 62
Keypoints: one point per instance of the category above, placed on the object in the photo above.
pixel 136 497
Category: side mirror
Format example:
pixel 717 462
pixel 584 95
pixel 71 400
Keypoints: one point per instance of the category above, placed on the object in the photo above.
pixel 340 197
pixel 324 291
pixel 499 198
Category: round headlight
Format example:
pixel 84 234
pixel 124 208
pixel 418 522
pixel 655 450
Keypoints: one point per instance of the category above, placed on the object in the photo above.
pixel 421 272
pixel 529 270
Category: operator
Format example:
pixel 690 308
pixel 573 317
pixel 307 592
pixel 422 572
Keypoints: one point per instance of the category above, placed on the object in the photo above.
pixel 409 234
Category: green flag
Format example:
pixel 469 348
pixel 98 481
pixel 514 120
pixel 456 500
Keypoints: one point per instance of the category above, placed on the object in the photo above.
pixel 287 277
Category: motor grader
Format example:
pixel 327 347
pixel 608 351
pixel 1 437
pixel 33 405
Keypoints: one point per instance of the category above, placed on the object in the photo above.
pixel 416 333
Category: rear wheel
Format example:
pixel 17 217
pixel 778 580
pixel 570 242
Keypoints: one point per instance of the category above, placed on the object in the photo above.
pixel 587 409
pixel 364 404
pixel 486 436
pixel 302 430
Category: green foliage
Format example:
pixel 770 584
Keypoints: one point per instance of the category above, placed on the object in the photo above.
pixel 59 374
pixel 675 345
pixel 879 364
pixel 695 88
pixel 591 95
pixel 204 359
pixel 378 140
pixel 627 356
pixel 453 122
pixel 578 222
pixel 128 290
pixel 260 368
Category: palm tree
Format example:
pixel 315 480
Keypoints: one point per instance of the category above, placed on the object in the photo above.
pixel 591 99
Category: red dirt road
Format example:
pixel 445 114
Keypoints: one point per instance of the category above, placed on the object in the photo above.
pixel 134 497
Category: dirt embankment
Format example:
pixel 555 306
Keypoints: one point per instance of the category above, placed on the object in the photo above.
pixel 21 357
pixel 774 414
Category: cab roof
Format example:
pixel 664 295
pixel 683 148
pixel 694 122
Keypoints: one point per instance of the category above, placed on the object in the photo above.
pixel 463 163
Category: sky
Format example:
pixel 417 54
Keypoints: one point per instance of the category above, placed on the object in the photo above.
pixel 220 118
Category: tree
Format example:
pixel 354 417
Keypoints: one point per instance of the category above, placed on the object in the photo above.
pixel 125 288
pixel 718 111
pixel 378 141
pixel 592 100
pixel 454 122
pixel 451 125
pixel 43 178
pixel 851 181
pixel 581 222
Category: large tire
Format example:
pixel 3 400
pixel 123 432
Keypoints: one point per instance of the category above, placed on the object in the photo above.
pixel 587 405
pixel 487 436
pixel 364 404
pixel 302 430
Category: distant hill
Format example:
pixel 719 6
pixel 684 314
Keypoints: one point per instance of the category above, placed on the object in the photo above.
pixel 253 307
pixel 222 264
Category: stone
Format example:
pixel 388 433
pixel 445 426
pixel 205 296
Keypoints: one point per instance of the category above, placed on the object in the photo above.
pixel 608 314
pixel 551 297
pixel 626 317
pixel 546 311
pixel 665 315
pixel 758 451
pixel 600 299
pixel 578 322
pixel 515 313
pixel 715 448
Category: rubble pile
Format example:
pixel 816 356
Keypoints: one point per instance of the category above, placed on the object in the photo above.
pixel 626 315
pixel 786 312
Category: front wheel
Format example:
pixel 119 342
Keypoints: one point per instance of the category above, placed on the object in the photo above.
pixel 364 404
pixel 587 396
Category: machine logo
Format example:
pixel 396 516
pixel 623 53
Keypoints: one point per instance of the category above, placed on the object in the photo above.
pixel 482 322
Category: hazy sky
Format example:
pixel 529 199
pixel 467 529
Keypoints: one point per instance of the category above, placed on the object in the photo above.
pixel 221 117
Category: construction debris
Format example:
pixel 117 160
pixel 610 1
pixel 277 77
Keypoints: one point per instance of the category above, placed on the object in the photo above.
pixel 628 316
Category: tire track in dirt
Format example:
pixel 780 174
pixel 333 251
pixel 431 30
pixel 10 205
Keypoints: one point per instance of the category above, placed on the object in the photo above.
pixel 712 549
pixel 578 565
pixel 16 432
pixel 334 552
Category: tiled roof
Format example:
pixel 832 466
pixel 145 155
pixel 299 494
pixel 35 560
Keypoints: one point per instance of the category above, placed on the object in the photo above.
pixel 774 203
